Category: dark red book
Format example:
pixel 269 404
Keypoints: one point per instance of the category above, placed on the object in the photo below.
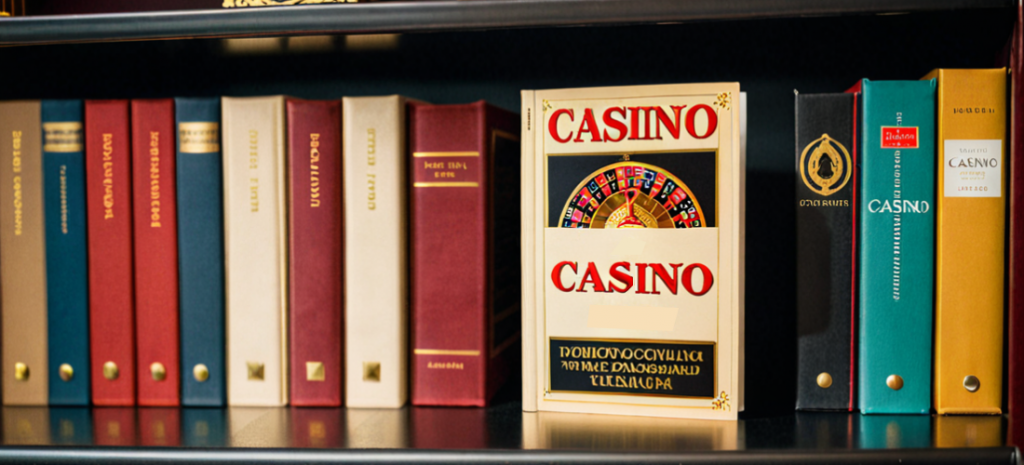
pixel 315 281
pixel 464 249
pixel 1015 271
pixel 159 427
pixel 108 187
pixel 114 427
pixel 156 252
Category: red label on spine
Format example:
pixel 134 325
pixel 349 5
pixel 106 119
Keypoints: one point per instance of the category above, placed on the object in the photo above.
pixel 899 137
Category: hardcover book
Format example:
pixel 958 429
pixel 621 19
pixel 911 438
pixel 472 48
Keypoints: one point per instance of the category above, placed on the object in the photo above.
pixel 156 252
pixel 376 242
pixel 255 250
pixel 111 288
pixel 1015 254
pixel 67 272
pixel 970 209
pixel 23 261
pixel 464 265
pixel 618 319
pixel 826 250
pixel 315 281
pixel 200 251
pixel 897 230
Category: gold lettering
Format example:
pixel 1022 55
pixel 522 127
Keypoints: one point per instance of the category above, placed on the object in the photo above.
pixel 64 199
pixel 314 170
pixel 16 162
pixel 154 179
pixel 108 176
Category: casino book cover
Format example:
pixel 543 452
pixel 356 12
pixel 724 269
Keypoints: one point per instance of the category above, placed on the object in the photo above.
pixel 315 265
pixel 619 319
pixel 826 250
pixel 376 251
pixel 156 252
pixel 108 189
pixel 464 252
pixel 970 208
pixel 255 250
pixel 200 251
pixel 897 230
pixel 23 261
pixel 67 272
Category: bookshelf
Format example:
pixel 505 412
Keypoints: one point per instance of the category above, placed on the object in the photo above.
pixel 455 51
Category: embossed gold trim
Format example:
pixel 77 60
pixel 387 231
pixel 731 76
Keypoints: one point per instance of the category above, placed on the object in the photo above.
pixel 445 184
pixel 188 144
pixel 444 154
pixel 69 140
pixel 464 353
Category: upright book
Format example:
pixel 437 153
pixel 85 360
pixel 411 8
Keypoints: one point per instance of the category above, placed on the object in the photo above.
pixel 108 178
pixel 156 252
pixel 464 266
pixel 826 250
pixel 67 272
pixel 315 251
pixel 200 251
pixel 897 230
pixel 255 250
pixel 23 257
pixel 1015 254
pixel 970 209
pixel 622 320
pixel 376 242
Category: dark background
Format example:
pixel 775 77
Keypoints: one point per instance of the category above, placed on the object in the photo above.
pixel 769 58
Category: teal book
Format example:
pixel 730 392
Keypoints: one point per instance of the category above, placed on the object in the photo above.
pixel 897 233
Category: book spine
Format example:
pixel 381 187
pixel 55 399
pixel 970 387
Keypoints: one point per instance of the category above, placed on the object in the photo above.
pixel 255 250
pixel 1015 213
pixel 376 259
pixel 200 251
pixel 22 264
pixel 969 241
pixel 315 265
pixel 826 167
pixel 67 274
pixel 897 224
pixel 109 213
pixel 156 252
pixel 528 229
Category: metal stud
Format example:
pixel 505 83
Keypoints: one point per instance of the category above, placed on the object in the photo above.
pixel 200 372
pixel 972 383
pixel 110 371
pixel 66 372
pixel 824 380
pixel 895 382
pixel 20 371
pixel 158 371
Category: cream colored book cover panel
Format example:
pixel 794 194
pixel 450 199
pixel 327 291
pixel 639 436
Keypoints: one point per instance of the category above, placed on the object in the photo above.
pixel 376 275
pixel 637 271
pixel 255 250
pixel 23 261
pixel 529 335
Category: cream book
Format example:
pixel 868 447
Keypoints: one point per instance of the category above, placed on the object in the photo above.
pixel 633 250
pixel 376 262
pixel 255 250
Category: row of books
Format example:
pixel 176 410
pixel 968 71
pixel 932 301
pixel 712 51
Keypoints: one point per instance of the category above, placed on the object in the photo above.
pixel 203 251
pixel 901 220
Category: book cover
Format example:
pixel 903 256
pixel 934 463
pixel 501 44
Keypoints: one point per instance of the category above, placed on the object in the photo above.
pixel 315 252
pixel 636 201
pixel 826 250
pixel 376 244
pixel 970 209
pixel 1015 233
pixel 255 250
pixel 67 272
pixel 200 251
pixel 156 252
pixel 111 287
pixel 464 252
pixel 23 261
pixel 897 230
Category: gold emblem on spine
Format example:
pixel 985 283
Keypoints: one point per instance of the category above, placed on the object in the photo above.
pixel 200 372
pixel 825 171
pixel 315 371
pixel 972 383
pixel 825 380
pixel 895 382
pixel 724 101
pixel 66 372
pixel 255 371
pixel 20 371
pixel 157 370
pixel 721 403
pixel 110 371
pixel 371 371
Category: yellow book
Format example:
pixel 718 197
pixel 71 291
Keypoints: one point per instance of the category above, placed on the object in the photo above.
pixel 969 239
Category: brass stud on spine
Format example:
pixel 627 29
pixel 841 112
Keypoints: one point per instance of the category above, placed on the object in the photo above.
pixel 972 383
pixel 200 372
pixel 66 372
pixel 895 382
pixel 21 371
pixel 824 380
pixel 110 371
pixel 157 370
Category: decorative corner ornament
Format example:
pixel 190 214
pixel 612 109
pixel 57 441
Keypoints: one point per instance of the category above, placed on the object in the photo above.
pixel 547 105
pixel 724 101
pixel 721 403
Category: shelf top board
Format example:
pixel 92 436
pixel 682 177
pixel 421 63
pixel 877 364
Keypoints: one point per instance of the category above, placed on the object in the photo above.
pixel 442 15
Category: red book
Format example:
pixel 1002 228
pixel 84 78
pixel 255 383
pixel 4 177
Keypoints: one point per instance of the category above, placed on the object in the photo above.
pixel 109 215
pixel 159 426
pixel 156 252
pixel 314 165
pixel 464 265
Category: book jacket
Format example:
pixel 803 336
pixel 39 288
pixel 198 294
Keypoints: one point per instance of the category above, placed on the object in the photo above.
pixel 618 319
pixel 897 261
pixel 826 206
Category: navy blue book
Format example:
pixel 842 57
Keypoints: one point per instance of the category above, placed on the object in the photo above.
pixel 200 252
pixel 67 276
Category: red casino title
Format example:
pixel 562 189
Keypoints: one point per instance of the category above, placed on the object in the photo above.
pixel 635 122
pixel 623 278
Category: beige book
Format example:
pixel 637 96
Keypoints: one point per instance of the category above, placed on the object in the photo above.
pixel 23 261
pixel 255 252
pixel 376 262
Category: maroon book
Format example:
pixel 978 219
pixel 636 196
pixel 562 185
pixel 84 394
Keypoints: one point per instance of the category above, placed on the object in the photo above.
pixel 1015 339
pixel 108 187
pixel 314 166
pixel 464 249
pixel 156 252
